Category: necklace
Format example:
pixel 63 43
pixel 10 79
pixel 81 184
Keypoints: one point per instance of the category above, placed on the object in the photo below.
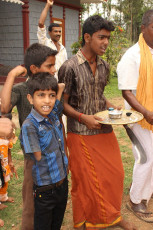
pixel 91 62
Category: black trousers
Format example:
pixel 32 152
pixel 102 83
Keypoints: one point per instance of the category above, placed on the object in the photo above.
pixel 50 206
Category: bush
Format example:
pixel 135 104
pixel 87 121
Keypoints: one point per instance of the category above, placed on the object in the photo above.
pixel 117 46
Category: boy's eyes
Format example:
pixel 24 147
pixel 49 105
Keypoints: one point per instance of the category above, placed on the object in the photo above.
pixel 49 66
pixel 43 95
pixel 103 37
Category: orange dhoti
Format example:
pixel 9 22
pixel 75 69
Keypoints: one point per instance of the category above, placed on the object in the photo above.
pixel 97 180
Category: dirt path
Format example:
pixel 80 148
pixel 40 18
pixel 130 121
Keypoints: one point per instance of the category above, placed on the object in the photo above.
pixel 141 225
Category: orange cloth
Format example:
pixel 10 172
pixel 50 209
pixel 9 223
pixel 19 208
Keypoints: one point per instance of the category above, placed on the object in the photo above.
pixel 4 146
pixel 3 192
pixel 145 83
pixel 97 180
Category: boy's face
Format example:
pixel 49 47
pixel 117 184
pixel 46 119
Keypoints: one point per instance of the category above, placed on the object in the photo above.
pixel 43 101
pixel 99 41
pixel 47 66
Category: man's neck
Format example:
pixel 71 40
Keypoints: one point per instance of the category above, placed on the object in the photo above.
pixel 90 56
pixel 57 44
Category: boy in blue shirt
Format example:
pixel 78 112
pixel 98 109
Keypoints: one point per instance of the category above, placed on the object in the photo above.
pixel 42 139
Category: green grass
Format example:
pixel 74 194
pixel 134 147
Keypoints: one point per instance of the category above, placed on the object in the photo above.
pixel 12 214
pixel 111 90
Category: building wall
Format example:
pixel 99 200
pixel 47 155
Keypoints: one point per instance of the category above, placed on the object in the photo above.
pixel 71 22
pixel 11 34
pixel 72 2
pixel 35 9
pixel 71 29
pixel 11 29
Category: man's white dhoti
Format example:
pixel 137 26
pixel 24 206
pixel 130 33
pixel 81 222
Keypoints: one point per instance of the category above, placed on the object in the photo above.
pixel 142 184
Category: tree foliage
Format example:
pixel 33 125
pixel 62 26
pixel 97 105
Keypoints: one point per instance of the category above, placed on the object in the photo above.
pixel 127 16
pixel 125 13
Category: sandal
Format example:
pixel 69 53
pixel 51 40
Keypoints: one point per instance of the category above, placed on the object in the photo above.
pixel 139 210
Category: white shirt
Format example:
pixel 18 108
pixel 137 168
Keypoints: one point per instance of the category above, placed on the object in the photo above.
pixel 128 70
pixel 61 57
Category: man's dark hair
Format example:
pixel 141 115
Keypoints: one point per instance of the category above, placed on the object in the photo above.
pixel 147 17
pixel 42 81
pixel 94 24
pixel 53 25
pixel 36 54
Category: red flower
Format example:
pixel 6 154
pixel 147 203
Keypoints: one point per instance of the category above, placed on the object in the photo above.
pixel 120 28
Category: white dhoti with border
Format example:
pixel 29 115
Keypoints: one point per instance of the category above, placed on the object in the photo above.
pixel 142 184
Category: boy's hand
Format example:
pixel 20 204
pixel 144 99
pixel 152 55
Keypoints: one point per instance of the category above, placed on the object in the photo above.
pixel 91 121
pixel 61 87
pixel 50 2
pixel 18 71
pixel 6 128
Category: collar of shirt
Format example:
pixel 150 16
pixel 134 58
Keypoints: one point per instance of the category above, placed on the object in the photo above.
pixel 82 59
pixel 53 44
pixel 37 116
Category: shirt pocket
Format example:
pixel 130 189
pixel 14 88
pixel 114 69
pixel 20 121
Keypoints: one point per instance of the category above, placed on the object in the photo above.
pixel 43 130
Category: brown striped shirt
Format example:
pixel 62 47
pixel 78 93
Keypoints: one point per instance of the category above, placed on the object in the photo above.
pixel 85 90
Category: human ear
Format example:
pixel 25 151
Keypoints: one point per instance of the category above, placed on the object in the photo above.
pixel 30 99
pixel 142 28
pixel 34 69
pixel 87 38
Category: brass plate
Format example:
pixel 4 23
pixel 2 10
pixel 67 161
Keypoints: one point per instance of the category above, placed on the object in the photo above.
pixel 133 118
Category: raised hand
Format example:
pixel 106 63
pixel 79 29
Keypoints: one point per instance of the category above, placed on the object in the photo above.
pixel 18 71
pixel 50 2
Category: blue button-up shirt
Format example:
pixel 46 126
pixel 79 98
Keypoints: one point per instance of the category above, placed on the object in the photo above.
pixel 45 135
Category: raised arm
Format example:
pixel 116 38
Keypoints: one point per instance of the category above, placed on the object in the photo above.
pixel 44 13
pixel 61 87
pixel 133 102
pixel 6 97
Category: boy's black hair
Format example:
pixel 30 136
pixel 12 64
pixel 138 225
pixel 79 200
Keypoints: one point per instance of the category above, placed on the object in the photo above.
pixel 53 25
pixel 147 18
pixel 42 81
pixel 94 24
pixel 36 54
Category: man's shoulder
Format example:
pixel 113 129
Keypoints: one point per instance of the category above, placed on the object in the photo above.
pixel 28 120
pixel 103 62
pixel 133 50
pixel 72 61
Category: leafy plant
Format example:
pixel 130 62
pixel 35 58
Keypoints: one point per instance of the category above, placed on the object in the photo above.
pixel 117 45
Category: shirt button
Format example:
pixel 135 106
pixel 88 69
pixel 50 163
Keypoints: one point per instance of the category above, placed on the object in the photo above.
pixel 59 140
